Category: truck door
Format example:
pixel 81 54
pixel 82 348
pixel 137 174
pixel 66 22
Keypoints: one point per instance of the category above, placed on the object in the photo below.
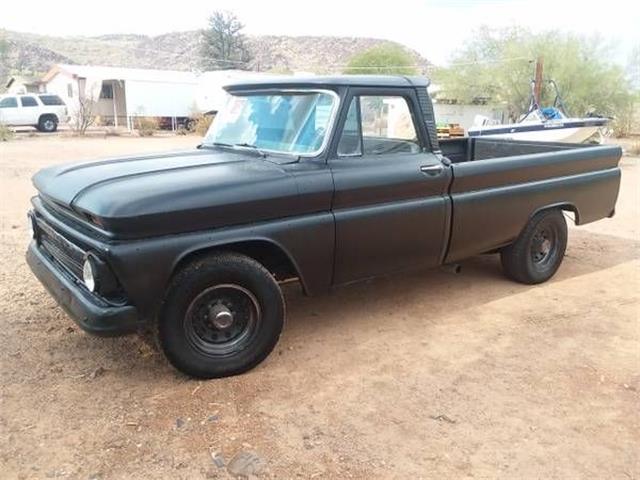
pixel 9 111
pixel 390 203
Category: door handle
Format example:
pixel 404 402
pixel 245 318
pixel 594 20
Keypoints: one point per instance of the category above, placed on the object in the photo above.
pixel 432 170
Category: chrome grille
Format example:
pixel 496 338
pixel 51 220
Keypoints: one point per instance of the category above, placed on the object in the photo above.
pixel 66 253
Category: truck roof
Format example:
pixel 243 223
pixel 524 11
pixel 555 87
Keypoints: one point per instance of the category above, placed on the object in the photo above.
pixel 319 81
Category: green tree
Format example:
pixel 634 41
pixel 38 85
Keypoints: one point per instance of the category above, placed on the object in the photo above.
pixel 224 46
pixel 633 67
pixel 498 64
pixel 383 59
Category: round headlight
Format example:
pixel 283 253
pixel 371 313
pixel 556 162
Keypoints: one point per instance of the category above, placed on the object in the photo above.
pixel 30 231
pixel 31 226
pixel 89 274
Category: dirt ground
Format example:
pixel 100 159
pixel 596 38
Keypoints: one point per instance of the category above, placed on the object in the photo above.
pixel 426 375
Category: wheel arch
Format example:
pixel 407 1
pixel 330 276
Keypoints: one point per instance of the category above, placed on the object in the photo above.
pixel 269 253
pixel 563 206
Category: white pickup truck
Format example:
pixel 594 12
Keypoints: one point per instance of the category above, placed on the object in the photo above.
pixel 43 111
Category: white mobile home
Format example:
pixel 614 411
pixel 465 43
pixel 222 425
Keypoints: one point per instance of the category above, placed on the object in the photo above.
pixel 210 94
pixel 121 94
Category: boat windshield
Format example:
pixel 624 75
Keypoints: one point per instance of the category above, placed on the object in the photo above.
pixel 287 122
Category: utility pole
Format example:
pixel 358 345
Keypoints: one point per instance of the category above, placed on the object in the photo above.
pixel 537 81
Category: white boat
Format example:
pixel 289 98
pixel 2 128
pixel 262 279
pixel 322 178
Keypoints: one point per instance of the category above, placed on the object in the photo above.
pixel 550 124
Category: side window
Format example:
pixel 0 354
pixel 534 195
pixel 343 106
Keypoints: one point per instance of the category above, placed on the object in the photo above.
pixel 387 126
pixel 9 102
pixel 351 141
pixel 28 102
pixel 377 125
pixel 51 100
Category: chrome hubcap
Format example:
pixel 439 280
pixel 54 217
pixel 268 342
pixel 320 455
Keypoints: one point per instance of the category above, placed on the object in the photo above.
pixel 220 316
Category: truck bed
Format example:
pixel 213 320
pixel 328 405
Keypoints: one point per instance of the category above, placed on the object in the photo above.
pixel 467 149
pixel 499 184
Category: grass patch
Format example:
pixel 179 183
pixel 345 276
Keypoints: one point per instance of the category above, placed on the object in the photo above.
pixel 6 133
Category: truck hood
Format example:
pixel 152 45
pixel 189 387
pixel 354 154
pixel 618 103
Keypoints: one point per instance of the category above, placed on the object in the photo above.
pixel 172 192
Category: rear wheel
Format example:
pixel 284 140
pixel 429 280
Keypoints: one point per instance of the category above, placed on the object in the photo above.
pixel 48 124
pixel 222 316
pixel 537 253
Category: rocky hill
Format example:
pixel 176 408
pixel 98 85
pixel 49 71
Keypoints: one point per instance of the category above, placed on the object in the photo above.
pixel 34 53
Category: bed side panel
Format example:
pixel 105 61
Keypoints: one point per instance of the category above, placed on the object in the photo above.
pixel 493 199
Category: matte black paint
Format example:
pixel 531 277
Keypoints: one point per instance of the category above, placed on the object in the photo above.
pixel 337 220
pixel 91 314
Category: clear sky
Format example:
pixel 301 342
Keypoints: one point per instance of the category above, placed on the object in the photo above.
pixel 432 27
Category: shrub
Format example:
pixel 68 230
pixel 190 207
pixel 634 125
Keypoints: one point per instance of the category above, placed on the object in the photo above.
pixel 111 132
pixel 82 116
pixel 6 133
pixel 386 58
pixel 146 126
pixel 634 149
pixel 201 123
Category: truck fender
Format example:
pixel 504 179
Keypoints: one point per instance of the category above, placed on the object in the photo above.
pixel 270 253
pixel 564 206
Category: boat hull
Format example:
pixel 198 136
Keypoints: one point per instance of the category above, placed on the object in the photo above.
pixel 569 132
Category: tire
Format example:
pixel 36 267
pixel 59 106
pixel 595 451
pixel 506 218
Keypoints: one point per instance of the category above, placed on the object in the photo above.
pixel 537 253
pixel 222 316
pixel 48 124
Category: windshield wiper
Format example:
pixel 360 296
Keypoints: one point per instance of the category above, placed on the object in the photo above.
pixel 214 144
pixel 252 147
pixel 235 146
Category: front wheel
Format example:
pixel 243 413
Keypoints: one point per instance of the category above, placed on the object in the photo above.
pixel 222 316
pixel 537 253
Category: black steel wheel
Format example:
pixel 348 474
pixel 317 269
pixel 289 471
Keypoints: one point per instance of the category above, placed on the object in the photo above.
pixel 222 319
pixel 537 253
pixel 222 316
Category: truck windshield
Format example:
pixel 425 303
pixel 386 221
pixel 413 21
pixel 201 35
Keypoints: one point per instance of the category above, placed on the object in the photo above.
pixel 289 122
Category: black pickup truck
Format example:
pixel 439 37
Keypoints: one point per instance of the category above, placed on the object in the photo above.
pixel 327 180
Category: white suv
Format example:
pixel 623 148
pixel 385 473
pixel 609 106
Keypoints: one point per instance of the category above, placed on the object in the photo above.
pixel 42 110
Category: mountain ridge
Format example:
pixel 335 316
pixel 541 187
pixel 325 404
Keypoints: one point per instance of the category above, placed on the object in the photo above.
pixel 36 53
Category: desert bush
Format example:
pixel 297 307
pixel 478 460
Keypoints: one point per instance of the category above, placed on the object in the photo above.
pixel 82 116
pixel 6 133
pixel 624 122
pixel 201 123
pixel 146 126
pixel 634 149
pixel 111 132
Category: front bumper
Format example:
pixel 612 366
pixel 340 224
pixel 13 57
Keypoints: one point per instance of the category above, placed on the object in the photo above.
pixel 92 315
